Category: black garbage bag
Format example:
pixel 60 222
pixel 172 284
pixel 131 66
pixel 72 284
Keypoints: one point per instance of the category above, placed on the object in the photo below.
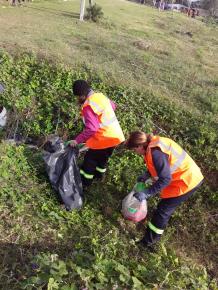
pixel 63 172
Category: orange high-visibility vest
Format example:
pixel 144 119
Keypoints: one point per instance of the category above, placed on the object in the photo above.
pixel 109 133
pixel 184 171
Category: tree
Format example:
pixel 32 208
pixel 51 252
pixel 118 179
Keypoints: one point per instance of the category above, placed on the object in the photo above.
pixel 82 9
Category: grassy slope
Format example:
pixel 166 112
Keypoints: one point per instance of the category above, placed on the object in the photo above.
pixel 137 50
pixel 134 46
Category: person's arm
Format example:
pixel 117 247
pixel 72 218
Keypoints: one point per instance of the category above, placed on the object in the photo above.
pixel 91 125
pixel 162 166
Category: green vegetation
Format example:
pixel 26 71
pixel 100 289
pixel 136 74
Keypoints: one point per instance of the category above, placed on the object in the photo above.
pixel 134 45
pixel 103 249
pixel 134 57
pixel 94 13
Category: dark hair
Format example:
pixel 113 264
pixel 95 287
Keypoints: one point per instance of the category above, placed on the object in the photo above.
pixel 138 138
pixel 81 88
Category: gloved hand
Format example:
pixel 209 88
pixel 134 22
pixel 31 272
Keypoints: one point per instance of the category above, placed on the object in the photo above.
pixel 141 195
pixel 145 176
pixel 73 143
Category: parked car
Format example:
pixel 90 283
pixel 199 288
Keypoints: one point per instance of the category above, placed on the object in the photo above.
pixel 177 7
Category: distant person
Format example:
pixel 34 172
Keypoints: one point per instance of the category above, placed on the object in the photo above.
pixel 175 174
pixel 13 2
pixel 156 3
pixel 185 11
pixel 102 131
pixel 191 12
pixel 161 5
pixel 194 13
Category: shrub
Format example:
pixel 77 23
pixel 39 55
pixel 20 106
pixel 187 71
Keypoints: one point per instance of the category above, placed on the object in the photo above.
pixel 94 13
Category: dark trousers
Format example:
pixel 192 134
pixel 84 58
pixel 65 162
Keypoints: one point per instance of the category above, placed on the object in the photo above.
pixel 94 164
pixel 161 216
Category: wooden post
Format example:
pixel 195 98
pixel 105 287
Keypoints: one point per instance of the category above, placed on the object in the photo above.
pixel 82 9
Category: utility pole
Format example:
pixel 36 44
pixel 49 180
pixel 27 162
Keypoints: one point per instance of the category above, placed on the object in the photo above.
pixel 82 9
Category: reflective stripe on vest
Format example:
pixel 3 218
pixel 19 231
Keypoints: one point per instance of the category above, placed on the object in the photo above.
pixel 109 133
pixel 154 229
pixel 180 156
pixel 108 122
pixel 96 106
pixel 105 121
pixel 86 175
pixel 185 174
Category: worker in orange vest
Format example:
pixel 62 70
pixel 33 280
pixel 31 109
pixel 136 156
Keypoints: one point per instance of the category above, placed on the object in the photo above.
pixel 175 175
pixel 102 131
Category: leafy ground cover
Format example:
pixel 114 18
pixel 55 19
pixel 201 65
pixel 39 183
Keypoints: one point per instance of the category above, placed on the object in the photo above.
pixel 134 56
pixel 134 46
pixel 95 248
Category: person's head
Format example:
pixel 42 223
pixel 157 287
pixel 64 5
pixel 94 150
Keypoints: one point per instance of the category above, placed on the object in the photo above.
pixel 81 89
pixel 138 142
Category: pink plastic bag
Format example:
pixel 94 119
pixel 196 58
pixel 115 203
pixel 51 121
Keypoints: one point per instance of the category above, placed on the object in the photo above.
pixel 132 208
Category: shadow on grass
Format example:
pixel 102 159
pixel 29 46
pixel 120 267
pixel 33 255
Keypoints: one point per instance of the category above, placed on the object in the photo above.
pixel 16 261
pixel 56 12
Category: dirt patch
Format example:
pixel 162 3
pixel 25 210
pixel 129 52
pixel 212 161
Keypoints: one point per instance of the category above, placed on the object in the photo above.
pixel 185 33
pixel 142 45
pixel 212 178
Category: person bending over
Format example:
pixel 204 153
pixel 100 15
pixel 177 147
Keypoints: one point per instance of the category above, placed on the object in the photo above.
pixel 175 174
pixel 102 132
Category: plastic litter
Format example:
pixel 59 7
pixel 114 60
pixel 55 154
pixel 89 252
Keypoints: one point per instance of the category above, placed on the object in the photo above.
pixel 3 117
pixel 132 208
pixel 63 172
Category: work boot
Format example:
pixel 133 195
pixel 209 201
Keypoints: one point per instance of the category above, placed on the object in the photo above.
pixel 86 182
pixel 100 176
pixel 152 248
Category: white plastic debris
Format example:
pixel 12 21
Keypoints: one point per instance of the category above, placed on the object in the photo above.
pixel 3 117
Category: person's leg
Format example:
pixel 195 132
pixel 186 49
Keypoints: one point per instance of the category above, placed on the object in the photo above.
pixel 161 216
pixel 102 160
pixel 158 222
pixel 88 167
